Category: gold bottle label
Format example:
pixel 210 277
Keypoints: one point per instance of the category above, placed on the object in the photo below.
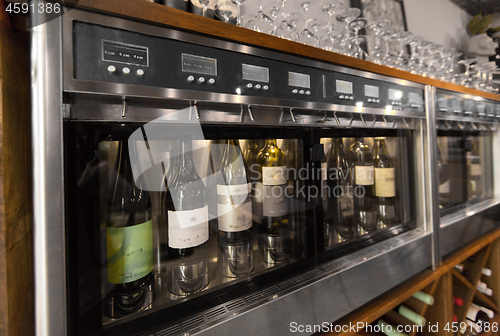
pixel 384 182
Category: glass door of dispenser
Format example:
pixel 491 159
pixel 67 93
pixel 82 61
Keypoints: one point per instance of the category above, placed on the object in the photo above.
pixel 464 168
pixel 368 187
pixel 165 224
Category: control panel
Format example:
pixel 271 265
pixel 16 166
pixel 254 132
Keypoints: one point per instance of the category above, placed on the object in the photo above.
pixel 448 104
pixel 113 55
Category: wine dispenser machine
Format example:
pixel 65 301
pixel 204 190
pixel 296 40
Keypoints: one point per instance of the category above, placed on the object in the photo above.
pixel 191 185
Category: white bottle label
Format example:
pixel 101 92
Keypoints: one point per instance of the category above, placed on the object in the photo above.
pixel 384 182
pixel 272 176
pixel 364 175
pixel 444 188
pixel 475 170
pixel 234 218
pixel 129 252
pixel 188 228
pixel 275 201
pixel 229 190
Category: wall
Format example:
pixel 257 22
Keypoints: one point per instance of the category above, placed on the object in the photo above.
pixel 438 21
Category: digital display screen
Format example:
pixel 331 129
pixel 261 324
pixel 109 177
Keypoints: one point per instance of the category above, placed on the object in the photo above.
pixel 124 53
pixel 343 86
pixel 480 108
pixel 370 91
pixel 255 73
pixel 456 104
pixel 414 98
pixel 198 64
pixel 395 94
pixel 298 79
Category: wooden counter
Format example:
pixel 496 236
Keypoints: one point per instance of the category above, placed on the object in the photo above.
pixel 144 11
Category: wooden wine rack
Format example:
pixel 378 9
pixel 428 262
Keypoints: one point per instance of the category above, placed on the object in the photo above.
pixel 443 283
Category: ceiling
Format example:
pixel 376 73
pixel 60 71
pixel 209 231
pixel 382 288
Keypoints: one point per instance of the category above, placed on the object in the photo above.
pixel 474 7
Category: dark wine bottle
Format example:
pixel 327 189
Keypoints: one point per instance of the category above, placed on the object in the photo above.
pixel 271 191
pixel 461 269
pixel 234 208
pixel 341 206
pixel 385 189
pixel 188 230
pixel 362 161
pixel 129 243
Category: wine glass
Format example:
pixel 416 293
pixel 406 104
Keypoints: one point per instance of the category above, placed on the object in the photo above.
pixel 387 36
pixel 376 54
pixel 403 38
pixel 238 4
pixel 465 78
pixel 332 39
pixel 226 10
pixel 356 26
pixel 204 4
pixel 306 36
pixel 347 16
pixel 331 8
pixel 284 28
pixel 261 22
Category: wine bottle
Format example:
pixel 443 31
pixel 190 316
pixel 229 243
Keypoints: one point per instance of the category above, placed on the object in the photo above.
pixel 324 198
pixel 486 271
pixel 271 190
pixel 489 312
pixel 234 207
pixel 461 269
pixel 424 297
pixel 362 161
pixel 129 243
pixel 385 188
pixel 341 205
pixel 188 230
pixel 476 315
pixel 444 180
pixel 474 171
pixel 483 288
pixel 458 301
pixel 411 315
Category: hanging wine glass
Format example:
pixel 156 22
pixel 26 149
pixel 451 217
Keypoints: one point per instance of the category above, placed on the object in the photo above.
pixel 465 78
pixel 284 28
pixel 331 8
pixel 226 10
pixel 332 39
pixel 306 36
pixel 204 5
pixel 376 53
pixel 261 22
pixel 356 26
pixel 387 36
pixel 238 4
pixel 347 16
pixel 414 62
pixel 316 26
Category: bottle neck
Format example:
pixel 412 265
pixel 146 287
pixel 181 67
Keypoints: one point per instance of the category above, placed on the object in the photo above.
pixel 186 155
pixel 271 143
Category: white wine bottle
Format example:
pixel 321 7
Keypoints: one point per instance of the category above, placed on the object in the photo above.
pixel 362 161
pixel 234 206
pixel 327 230
pixel 271 190
pixel 129 243
pixel 341 206
pixel 188 230
pixel 385 188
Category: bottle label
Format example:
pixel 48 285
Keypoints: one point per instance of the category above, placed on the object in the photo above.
pixel 273 176
pixel 347 206
pixel 235 218
pixel 229 190
pixel 475 170
pixel 364 175
pixel 384 182
pixel 275 201
pixel 188 228
pixel 444 188
pixel 130 252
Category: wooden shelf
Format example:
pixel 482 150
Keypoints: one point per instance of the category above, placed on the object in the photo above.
pixel 440 284
pixel 153 13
